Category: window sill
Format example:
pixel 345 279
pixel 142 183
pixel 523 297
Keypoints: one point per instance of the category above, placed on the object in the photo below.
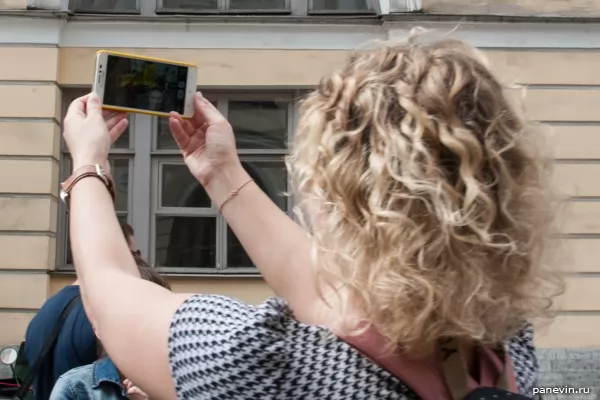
pixel 174 11
pixel 106 12
pixel 255 276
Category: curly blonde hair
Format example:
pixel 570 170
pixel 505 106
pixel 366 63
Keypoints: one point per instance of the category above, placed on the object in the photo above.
pixel 433 198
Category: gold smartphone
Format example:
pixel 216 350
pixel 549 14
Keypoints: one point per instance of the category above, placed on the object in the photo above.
pixel 145 85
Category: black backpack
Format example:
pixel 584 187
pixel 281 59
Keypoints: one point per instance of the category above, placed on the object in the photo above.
pixel 26 374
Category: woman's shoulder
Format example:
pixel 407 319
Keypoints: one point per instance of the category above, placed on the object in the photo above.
pixel 212 320
pixel 263 347
pixel 226 321
pixel 263 352
pixel 227 311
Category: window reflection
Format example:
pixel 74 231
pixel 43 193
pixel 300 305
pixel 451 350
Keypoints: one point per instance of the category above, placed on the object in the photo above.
pixel 340 5
pixel 271 177
pixel 107 5
pixel 256 124
pixel 120 172
pixel 259 124
pixel 179 188
pixel 257 4
pixel 192 4
pixel 236 255
pixel 123 141
pixel 186 242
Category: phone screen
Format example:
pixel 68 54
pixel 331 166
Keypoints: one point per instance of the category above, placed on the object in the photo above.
pixel 145 85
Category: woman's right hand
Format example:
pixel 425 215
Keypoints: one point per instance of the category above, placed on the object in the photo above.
pixel 206 141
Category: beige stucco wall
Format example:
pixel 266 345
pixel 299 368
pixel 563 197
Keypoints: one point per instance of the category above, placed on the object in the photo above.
pixel 561 8
pixel 251 290
pixel 29 150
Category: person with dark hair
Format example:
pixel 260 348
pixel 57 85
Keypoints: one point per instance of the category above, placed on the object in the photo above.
pixel 148 273
pixel 76 343
pixel 101 380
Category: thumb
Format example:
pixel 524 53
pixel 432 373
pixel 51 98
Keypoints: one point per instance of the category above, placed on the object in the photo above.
pixel 206 112
pixel 94 107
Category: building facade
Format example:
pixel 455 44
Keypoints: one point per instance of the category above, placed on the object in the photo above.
pixel 255 58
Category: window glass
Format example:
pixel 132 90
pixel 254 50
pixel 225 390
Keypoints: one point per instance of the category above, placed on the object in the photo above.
pixel 192 4
pixel 257 5
pixel 164 138
pixel 259 124
pixel 179 188
pixel 340 5
pixel 123 141
pixel 185 242
pixel 120 173
pixel 236 255
pixel 271 177
pixel 106 5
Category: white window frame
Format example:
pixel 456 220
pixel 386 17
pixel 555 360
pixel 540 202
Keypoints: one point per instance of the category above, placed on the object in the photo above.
pixel 145 179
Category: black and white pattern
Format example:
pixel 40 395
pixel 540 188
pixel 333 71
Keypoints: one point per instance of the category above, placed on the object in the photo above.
pixel 220 348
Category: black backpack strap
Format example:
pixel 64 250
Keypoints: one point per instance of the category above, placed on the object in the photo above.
pixel 48 345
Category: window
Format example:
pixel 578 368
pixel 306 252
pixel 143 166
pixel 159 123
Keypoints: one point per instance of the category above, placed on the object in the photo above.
pixel 177 227
pixel 153 7
pixel 121 163
pixel 105 6
pixel 236 6
pixel 340 6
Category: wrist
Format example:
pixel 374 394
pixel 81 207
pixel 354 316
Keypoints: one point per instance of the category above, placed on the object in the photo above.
pixel 83 161
pixel 224 180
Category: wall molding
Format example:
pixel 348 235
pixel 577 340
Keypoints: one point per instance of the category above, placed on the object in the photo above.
pixel 25 31
pixel 516 35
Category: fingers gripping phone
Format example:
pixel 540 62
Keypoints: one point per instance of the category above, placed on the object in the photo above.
pixel 130 83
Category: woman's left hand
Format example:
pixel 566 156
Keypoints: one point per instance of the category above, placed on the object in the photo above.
pixel 89 132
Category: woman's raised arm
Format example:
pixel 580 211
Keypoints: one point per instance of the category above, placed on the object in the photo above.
pixel 278 246
pixel 132 316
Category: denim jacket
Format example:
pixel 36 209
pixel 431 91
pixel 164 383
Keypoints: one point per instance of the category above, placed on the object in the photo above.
pixel 97 381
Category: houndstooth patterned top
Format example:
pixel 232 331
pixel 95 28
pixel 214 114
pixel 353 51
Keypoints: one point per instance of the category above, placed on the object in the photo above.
pixel 220 348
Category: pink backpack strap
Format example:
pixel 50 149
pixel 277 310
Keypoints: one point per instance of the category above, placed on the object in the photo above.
pixel 495 369
pixel 444 376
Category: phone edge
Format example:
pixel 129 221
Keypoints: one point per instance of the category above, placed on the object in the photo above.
pixel 191 89
pixel 140 57
pixel 96 85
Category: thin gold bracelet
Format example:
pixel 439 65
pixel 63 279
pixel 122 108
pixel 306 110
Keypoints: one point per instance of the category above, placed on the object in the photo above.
pixel 233 194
